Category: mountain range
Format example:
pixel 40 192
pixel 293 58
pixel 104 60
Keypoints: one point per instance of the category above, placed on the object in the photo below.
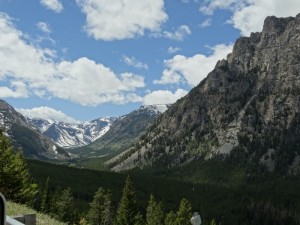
pixel 247 110
pixel 46 138
pixel 70 135
pixel 31 141
pixel 123 132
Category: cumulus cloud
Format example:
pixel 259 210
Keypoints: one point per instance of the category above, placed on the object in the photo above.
pixel 193 69
pixel 132 61
pixel 54 5
pixel 164 97
pixel 179 34
pixel 209 6
pixel 17 90
pixel 248 15
pixel 45 112
pixel 82 81
pixel 123 19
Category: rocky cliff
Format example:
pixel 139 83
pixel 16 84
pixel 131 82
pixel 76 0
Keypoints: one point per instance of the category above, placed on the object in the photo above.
pixel 246 110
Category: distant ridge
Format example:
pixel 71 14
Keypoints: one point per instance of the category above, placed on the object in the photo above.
pixel 123 132
pixel 33 143
pixel 70 135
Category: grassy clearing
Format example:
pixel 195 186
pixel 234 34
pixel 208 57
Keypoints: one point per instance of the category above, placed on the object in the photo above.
pixel 14 209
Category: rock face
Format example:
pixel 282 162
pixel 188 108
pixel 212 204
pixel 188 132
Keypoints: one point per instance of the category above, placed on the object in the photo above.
pixel 246 110
pixel 33 143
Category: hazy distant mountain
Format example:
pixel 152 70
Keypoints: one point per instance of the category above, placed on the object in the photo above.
pixel 247 110
pixel 70 135
pixel 33 143
pixel 123 133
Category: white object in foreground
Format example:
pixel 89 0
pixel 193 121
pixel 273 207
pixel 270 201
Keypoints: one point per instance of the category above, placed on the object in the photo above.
pixel 196 219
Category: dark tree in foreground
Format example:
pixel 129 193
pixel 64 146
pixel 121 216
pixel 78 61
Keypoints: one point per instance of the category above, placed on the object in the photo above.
pixel 184 213
pixel 65 207
pixel 46 198
pixel 100 212
pixel 15 180
pixel 127 213
pixel 155 214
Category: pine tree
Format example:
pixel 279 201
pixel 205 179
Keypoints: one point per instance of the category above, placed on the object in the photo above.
pixel 155 215
pixel 65 207
pixel 213 222
pixel 184 213
pixel 15 180
pixel 127 211
pixel 139 219
pixel 46 198
pixel 170 218
pixel 100 212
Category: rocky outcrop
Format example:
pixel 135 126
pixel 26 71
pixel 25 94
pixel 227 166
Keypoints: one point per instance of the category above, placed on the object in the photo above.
pixel 247 109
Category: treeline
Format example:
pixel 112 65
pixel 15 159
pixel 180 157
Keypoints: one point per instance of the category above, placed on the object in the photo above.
pixel 102 211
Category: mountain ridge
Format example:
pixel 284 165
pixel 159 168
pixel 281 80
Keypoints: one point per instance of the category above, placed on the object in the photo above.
pixel 237 109
pixel 70 135
pixel 124 132
pixel 33 143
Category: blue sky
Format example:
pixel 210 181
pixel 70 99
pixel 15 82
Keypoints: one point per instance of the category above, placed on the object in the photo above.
pixel 77 60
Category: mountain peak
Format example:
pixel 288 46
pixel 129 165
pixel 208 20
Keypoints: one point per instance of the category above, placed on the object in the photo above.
pixel 246 106
pixel 156 109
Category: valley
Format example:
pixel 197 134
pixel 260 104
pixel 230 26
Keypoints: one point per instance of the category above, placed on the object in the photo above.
pixel 230 146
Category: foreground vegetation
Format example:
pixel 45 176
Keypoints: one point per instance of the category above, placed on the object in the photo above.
pixel 14 209
pixel 218 191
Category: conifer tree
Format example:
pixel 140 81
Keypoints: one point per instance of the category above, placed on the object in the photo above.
pixel 170 218
pixel 213 222
pixel 100 212
pixel 139 219
pixel 65 207
pixel 15 180
pixel 46 198
pixel 184 213
pixel 127 211
pixel 155 215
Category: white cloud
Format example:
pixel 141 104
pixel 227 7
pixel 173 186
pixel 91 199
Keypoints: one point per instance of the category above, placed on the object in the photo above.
pixel 122 19
pixel 209 6
pixel 205 23
pixel 163 97
pixel 248 15
pixel 172 50
pixel 132 61
pixel 45 112
pixel 178 35
pixel 250 18
pixel 44 27
pixel 82 81
pixel 18 90
pixel 54 5
pixel 192 69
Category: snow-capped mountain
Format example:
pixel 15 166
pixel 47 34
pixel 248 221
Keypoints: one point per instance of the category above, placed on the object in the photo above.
pixel 124 132
pixel 154 109
pixel 69 135
pixel 33 143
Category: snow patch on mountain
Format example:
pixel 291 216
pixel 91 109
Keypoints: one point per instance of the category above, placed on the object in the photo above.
pixel 155 109
pixel 70 135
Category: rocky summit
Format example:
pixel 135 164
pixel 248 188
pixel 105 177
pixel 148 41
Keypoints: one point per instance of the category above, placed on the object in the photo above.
pixel 246 110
